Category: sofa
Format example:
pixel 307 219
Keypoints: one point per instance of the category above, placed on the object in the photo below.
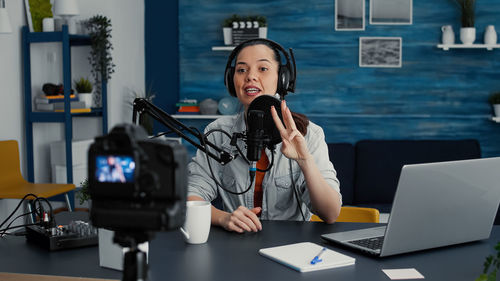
pixel 369 170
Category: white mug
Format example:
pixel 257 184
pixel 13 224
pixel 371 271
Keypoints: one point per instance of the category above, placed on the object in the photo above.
pixel 197 225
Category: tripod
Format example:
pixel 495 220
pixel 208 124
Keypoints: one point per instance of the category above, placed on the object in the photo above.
pixel 135 266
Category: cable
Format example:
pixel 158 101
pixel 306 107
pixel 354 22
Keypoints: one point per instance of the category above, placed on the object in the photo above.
pixel 295 190
pixel 17 207
pixel 3 232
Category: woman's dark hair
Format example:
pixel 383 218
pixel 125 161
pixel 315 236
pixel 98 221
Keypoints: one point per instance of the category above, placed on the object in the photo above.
pixel 301 120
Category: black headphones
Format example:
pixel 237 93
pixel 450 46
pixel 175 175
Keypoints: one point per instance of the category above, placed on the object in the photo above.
pixel 287 74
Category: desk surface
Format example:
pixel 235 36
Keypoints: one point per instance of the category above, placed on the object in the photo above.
pixel 231 256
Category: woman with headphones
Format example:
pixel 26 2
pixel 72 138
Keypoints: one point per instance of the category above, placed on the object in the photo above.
pixel 301 179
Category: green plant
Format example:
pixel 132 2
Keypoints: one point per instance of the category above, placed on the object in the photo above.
pixel 262 21
pixel 494 263
pixel 494 98
pixel 83 194
pixel 39 9
pixel 83 85
pixel 467 8
pixel 228 22
pixel 100 57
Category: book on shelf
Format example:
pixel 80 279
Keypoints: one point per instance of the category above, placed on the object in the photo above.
pixel 52 99
pixel 58 106
pixel 189 109
pixel 187 113
pixel 76 110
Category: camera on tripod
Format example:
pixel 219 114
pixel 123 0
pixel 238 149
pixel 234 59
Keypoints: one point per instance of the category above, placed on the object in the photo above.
pixel 137 184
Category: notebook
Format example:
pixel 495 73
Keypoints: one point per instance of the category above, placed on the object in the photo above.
pixel 436 205
pixel 299 255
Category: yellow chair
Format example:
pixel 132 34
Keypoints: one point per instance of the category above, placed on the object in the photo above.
pixel 14 186
pixel 355 214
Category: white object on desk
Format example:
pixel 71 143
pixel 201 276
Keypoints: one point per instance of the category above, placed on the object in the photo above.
pixel 403 274
pixel 111 254
pixel 299 255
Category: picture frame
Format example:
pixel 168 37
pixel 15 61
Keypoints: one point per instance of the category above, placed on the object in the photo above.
pixel 36 11
pixel 380 52
pixel 391 12
pixel 349 15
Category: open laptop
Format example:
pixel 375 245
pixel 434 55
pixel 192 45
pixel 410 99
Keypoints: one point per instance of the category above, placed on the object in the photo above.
pixel 435 205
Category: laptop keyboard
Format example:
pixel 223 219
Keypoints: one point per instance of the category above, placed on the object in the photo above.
pixel 374 243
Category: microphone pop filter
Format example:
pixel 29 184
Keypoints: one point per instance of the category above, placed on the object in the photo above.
pixel 264 103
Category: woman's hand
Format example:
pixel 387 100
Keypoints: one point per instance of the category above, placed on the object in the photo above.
pixel 241 220
pixel 294 144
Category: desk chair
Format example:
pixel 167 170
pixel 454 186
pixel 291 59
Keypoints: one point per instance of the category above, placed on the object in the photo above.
pixel 355 214
pixel 14 186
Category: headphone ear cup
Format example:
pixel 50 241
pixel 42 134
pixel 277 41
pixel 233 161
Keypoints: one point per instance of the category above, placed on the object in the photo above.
pixel 283 79
pixel 228 80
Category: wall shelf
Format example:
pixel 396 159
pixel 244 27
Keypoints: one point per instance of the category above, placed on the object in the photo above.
pixel 67 41
pixel 495 119
pixel 446 47
pixel 196 116
pixel 223 48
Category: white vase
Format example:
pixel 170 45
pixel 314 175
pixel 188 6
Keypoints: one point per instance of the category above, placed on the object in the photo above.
pixel 263 32
pixel 228 35
pixel 448 37
pixel 490 35
pixel 496 108
pixel 468 35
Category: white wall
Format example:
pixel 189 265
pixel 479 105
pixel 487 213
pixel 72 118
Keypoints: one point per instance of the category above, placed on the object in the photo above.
pixel 127 18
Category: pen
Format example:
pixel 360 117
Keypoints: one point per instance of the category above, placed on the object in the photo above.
pixel 317 258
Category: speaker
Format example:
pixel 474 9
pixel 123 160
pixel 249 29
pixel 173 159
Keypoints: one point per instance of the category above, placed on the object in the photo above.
pixel 287 74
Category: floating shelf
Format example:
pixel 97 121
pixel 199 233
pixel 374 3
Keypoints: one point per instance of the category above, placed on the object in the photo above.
pixel 223 48
pixel 446 47
pixel 196 116
pixel 495 119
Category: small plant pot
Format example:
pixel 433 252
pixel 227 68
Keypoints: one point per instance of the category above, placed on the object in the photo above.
pixel 228 35
pixel 496 109
pixel 468 35
pixel 87 98
pixel 263 32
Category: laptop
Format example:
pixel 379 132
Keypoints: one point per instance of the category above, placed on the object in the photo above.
pixel 435 205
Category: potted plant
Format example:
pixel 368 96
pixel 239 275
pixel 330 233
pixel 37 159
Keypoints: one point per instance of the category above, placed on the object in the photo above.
pixel 227 28
pixel 100 58
pixel 492 262
pixel 262 26
pixel 84 89
pixel 494 100
pixel 467 31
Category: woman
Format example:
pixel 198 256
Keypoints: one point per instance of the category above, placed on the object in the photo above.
pixel 301 161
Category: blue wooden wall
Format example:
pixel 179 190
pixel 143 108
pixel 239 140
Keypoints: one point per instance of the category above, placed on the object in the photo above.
pixel 435 95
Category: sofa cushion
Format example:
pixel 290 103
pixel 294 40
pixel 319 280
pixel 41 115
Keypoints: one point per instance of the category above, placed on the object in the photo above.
pixel 379 163
pixel 342 157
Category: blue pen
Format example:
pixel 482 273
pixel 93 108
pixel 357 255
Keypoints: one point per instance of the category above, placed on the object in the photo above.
pixel 317 258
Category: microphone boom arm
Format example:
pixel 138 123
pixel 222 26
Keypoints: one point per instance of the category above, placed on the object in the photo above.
pixel 143 106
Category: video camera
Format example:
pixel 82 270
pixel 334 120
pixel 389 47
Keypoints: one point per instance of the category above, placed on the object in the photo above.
pixel 137 184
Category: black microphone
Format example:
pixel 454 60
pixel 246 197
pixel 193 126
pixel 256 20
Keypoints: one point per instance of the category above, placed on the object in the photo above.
pixel 255 135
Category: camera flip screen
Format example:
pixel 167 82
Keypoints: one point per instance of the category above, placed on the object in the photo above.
pixel 115 168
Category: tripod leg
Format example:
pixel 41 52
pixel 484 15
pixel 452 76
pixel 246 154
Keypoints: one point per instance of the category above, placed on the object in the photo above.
pixel 135 267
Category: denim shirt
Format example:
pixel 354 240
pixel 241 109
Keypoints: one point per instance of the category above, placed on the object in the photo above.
pixel 278 202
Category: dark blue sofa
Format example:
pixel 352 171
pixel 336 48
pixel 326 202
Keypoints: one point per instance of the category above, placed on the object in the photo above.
pixel 369 170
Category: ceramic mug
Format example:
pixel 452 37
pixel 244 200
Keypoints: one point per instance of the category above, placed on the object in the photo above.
pixel 448 37
pixel 197 225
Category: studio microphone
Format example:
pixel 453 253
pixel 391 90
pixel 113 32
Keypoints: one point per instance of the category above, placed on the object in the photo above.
pixel 255 136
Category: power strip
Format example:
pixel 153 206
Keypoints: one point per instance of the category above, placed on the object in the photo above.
pixel 74 235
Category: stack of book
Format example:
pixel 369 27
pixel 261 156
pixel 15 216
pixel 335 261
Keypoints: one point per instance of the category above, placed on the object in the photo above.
pixel 55 103
pixel 188 106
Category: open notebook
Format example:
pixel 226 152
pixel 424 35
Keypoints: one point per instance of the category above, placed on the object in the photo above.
pixel 298 256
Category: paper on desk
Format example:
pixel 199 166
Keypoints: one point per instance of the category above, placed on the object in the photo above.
pixel 403 273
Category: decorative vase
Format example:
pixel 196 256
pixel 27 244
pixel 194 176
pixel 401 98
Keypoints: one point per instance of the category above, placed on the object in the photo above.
pixel 263 32
pixel 490 35
pixel 86 98
pixel 208 107
pixel 228 35
pixel 448 37
pixel 468 35
pixel 496 109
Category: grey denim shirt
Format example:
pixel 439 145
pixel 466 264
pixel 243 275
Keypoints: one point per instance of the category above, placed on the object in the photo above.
pixel 278 202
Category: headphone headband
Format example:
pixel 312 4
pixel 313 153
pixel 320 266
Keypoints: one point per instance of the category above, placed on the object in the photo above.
pixel 286 73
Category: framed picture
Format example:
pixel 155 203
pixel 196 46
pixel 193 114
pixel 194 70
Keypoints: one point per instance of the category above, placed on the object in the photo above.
pixel 36 11
pixel 391 12
pixel 380 51
pixel 349 15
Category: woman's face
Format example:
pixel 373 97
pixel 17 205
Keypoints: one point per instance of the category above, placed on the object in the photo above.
pixel 256 73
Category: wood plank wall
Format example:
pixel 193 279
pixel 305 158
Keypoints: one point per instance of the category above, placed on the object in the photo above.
pixel 435 95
